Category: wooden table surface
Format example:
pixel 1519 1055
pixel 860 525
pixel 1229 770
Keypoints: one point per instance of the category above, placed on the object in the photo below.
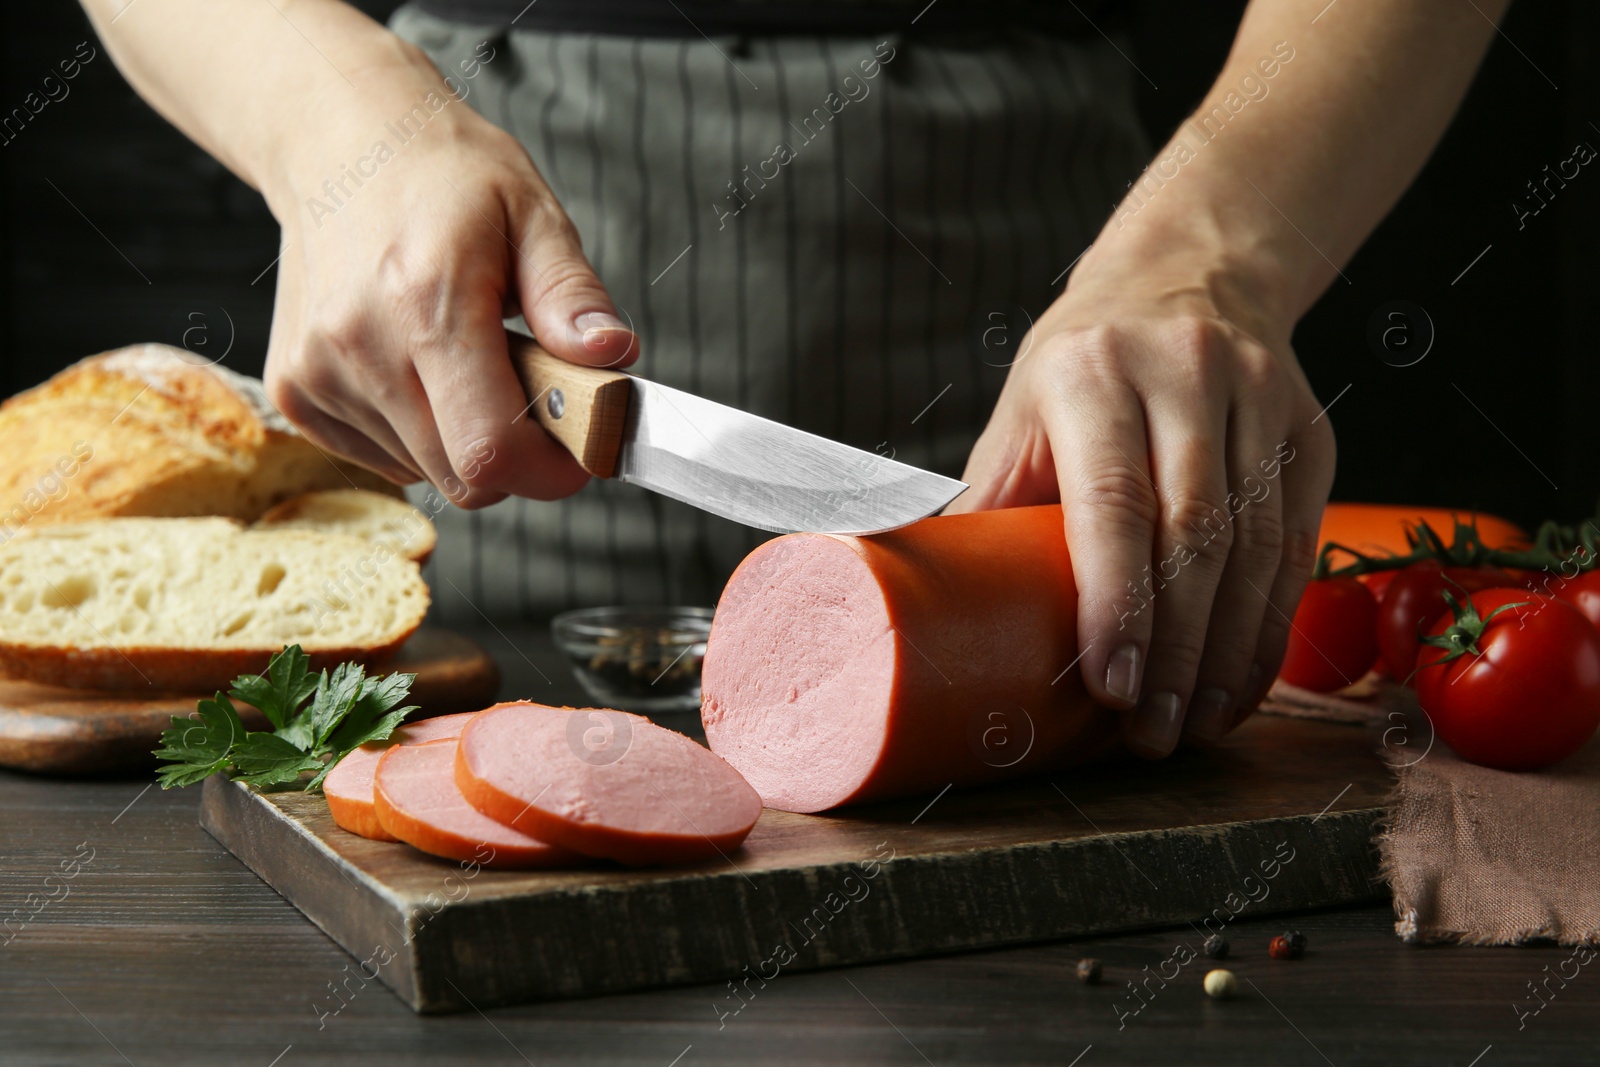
pixel 165 949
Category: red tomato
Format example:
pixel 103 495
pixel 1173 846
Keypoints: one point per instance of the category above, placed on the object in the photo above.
pixel 1525 577
pixel 1542 582
pixel 1532 698
pixel 1415 599
pixel 1333 642
pixel 1377 582
pixel 1582 592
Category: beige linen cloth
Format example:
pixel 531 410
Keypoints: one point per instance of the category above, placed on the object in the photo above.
pixel 1474 855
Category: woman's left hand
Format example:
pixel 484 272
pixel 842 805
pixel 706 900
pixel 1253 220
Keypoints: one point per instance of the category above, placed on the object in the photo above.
pixel 1164 408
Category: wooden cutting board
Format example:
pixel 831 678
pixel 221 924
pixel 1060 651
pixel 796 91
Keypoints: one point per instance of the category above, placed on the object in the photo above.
pixel 1278 818
pixel 78 731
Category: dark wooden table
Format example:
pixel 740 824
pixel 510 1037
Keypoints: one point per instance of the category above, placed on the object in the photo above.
pixel 164 949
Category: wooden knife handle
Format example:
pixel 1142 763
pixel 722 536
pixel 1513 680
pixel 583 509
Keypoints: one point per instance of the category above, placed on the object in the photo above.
pixel 584 408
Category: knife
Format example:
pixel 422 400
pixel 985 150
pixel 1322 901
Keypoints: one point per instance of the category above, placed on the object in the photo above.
pixel 720 459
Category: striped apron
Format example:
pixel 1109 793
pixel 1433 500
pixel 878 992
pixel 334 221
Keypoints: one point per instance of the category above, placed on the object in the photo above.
pixel 846 234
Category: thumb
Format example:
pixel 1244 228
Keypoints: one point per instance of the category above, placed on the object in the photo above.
pixel 566 306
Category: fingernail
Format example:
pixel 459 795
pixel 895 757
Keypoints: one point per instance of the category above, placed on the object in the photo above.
pixel 1210 714
pixel 598 320
pixel 1122 673
pixel 598 326
pixel 1156 723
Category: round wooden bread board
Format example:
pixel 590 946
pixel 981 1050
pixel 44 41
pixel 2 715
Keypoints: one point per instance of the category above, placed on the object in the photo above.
pixel 79 731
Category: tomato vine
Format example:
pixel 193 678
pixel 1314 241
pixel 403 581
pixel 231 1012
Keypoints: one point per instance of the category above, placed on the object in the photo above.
pixel 1567 550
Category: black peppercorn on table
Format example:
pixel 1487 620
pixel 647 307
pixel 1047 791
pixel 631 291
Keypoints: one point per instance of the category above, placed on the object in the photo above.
pixel 143 942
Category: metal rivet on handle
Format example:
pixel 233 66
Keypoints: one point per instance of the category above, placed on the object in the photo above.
pixel 557 404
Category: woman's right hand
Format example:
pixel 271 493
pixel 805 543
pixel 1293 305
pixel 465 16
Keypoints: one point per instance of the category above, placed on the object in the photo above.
pixel 399 264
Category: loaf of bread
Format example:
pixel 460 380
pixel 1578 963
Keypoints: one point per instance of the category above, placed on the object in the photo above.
pixel 187 604
pixel 150 431
pixel 373 517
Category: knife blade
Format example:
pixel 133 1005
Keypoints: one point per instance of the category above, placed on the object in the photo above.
pixel 717 458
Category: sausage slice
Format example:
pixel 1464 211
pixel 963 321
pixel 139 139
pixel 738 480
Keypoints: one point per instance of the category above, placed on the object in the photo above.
pixel 604 783
pixel 348 787
pixel 417 801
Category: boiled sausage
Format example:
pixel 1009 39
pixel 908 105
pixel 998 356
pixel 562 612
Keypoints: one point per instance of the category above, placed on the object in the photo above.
pixel 846 669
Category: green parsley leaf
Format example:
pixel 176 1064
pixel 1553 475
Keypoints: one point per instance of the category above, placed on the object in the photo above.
pixel 265 760
pixel 199 747
pixel 279 690
pixel 337 694
pixel 347 709
pixel 371 708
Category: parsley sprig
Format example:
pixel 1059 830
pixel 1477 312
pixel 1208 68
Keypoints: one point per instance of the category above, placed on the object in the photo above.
pixel 346 709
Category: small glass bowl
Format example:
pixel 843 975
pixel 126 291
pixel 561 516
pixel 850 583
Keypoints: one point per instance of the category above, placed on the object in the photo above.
pixel 636 659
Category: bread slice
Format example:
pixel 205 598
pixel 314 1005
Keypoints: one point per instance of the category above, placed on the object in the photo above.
pixel 147 430
pixel 373 517
pixel 188 604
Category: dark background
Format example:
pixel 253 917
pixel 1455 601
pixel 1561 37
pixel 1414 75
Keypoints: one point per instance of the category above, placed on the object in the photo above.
pixel 1515 334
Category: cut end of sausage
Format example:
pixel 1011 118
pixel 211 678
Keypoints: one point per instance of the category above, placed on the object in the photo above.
pixel 348 787
pixel 604 783
pixel 799 672
pixel 417 801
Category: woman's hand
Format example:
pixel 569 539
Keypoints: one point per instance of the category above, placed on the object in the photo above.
pixel 1163 407
pixel 411 227
pixel 399 263
pixel 1159 398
